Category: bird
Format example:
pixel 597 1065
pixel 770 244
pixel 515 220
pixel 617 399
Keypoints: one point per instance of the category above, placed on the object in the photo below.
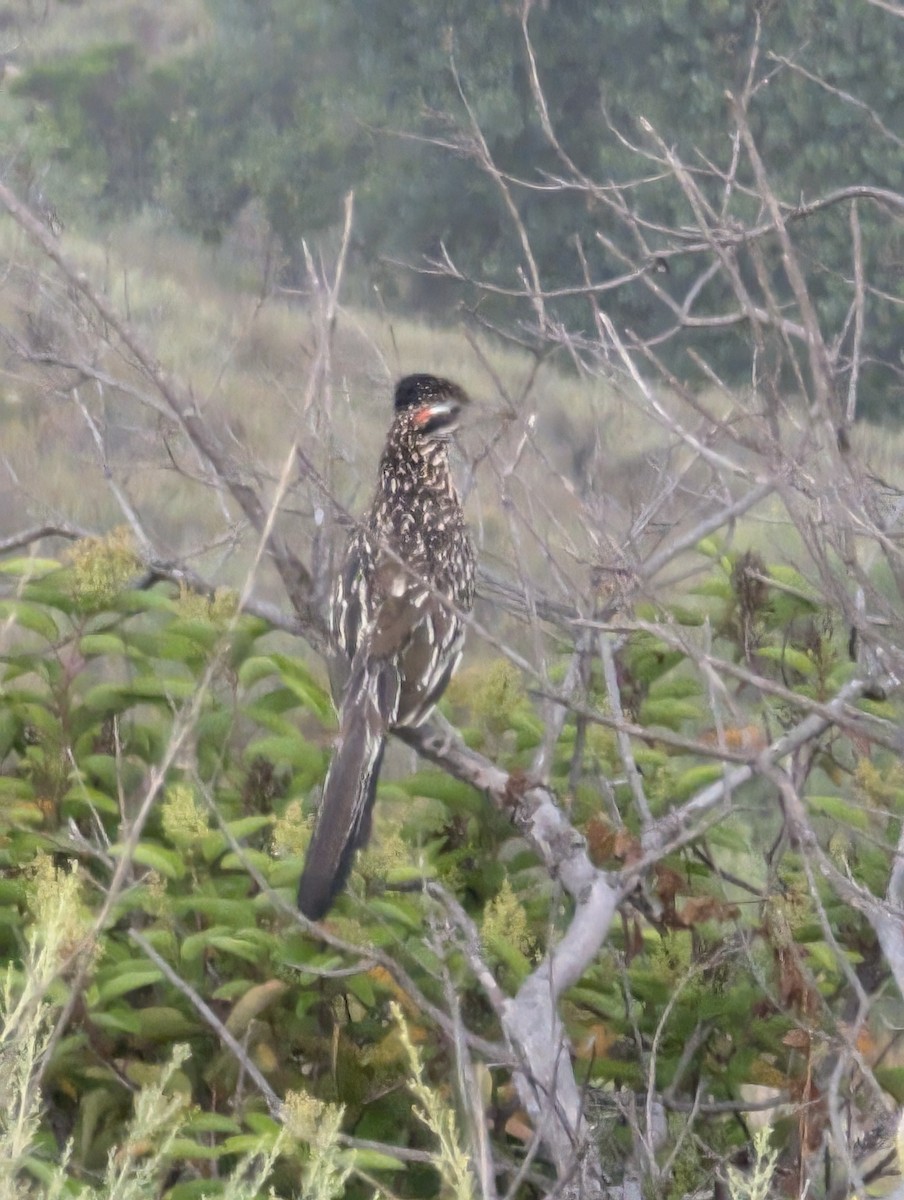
pixel 396 621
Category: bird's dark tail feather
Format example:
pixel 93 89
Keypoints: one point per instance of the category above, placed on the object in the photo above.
pixel 344 820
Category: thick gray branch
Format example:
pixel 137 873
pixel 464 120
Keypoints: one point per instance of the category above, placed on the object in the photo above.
pixel 546 1082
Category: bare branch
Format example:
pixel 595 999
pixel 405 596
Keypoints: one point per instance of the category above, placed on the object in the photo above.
pixel 38 533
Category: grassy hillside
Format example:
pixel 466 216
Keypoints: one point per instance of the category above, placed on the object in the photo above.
pixel 248 364
pixel 586 467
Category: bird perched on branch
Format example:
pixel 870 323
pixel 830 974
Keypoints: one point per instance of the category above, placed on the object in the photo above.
pixel 407 577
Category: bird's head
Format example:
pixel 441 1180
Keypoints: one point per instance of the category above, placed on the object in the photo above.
pixel 432 405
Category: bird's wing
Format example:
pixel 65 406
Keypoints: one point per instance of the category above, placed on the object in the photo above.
pixel 417 639
pixel 353 596
pixel 350 610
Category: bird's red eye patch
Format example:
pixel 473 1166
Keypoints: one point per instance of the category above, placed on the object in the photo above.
pixel 423 415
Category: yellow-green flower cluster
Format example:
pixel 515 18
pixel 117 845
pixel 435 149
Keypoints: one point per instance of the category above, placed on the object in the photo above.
pixel 184 821
pixel 102 566
pixel 292 831
pixel 506 920
pixel 219 608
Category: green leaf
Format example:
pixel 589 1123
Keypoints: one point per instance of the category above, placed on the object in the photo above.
pixel 45 721
pixel 106 698
pixel 505 952
pixel 668 712
pixel 246 1143
pixel 192 947
pixel 211 1122
pixel 821 957
pixel 147 854
pixel 230 991
pixel 12 891
pixel 245 827
pixel 593 999
pixel 215 726
pixel 152 687
pixel 840 810
pixel 250 948
pixel 216 843
pixel 248 951
pixel 28 568
pixel 788 656
pixel 674 687
pixel 437 785
pixel 95 644
pixel 122 1020
pixel 529 729
pixel 31 617
pixel 649 658
pixel 253 1002
pixel 23 815
pixel 630 1074
pixel 268 709
pixel 649 986
pixel 891 1080
pixel 14 789
pixel 262 1125
pixel 362 988
pixel 249 856
pixel 52 592
pixel 283 873
pixel 198 631
pixel 149 600
pixel 793 579
pixel 372 1160
pixel 186 1148
pixel 237 913
pixel 879 708
pixel 405 875
pixel 243 637
pixel 730 837
pixel 689 617
pixel 164 1024
pixel 395 913
pixel 129 981
pixel 256 668
pixel 298 678
pixel 164 644
pixel 112 773
pixel 83 799
pixel 197 1189
pixel 693 780
pixel 714 585
pixel 292 750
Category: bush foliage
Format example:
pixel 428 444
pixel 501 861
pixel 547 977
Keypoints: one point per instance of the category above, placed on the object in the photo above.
pixel 160 752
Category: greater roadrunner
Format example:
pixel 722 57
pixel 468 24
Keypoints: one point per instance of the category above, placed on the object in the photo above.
pixel 396 618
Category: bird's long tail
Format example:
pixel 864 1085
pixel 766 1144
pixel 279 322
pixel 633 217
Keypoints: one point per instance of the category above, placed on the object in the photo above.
pixel 344 819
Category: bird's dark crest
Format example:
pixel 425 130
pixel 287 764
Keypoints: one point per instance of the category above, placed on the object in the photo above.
pixel 424 389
